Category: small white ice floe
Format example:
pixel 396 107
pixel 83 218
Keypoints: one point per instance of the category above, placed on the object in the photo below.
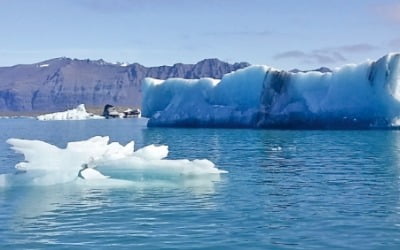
pixel 46 164
pixel 277 148
pixel 78 113
pixel 88 173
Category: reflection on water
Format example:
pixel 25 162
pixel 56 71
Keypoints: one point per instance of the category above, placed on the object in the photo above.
pixel 75 214
pixel 284 189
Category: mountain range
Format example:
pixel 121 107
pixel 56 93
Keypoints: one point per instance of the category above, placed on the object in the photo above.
pixel 62 83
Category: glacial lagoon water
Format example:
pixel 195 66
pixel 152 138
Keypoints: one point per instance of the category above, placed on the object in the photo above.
pixel 284 190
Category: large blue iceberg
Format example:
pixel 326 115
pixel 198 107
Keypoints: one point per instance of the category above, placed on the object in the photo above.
pixel 354 96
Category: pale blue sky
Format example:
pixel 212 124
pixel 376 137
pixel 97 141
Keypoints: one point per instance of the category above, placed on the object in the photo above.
pixel 281 33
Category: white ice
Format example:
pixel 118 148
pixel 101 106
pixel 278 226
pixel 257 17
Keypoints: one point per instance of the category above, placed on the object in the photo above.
pixel 259 96
pixel 46 164
pixel 78 113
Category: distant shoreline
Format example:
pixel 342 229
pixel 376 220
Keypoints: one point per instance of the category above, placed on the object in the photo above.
pixel 93 110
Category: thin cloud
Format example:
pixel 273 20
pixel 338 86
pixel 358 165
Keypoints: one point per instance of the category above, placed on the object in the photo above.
pixel 313 57
pixel 339 57
pixel 390 12
pixel 349 49
pixel 357 48
pixel 394 44
pixel 290 54
pixel 327 56
pixel 241 33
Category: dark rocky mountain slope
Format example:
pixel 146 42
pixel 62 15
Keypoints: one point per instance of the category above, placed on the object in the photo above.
pixel 62 83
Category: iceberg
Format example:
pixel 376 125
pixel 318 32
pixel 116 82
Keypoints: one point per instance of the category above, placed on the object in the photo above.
pixel 78 113
pixel 86 160
pixel 366 95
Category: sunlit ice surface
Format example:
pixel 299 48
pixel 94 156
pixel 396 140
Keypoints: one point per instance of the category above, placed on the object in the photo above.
pixel 97 162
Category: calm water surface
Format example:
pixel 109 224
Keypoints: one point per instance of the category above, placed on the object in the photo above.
pixel 284 190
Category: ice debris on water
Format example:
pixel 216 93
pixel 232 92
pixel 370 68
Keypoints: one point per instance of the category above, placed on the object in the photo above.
pixel 46 164
pixel 78 113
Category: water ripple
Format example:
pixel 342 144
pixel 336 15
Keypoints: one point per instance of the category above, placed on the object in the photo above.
pixel 285 190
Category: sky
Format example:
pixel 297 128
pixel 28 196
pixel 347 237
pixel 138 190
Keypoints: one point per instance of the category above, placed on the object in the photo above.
pixel 284 34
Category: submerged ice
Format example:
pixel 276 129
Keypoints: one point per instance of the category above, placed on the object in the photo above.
pixel 364 95
pixel 46 164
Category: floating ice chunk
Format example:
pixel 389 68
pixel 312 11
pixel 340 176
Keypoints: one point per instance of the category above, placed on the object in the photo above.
pixel 276 148
pixel 152 152
pixel 78 113
pixel 116 151
pixel 354 96
pixel 162 167
pixel 91 174
pixel 46 164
